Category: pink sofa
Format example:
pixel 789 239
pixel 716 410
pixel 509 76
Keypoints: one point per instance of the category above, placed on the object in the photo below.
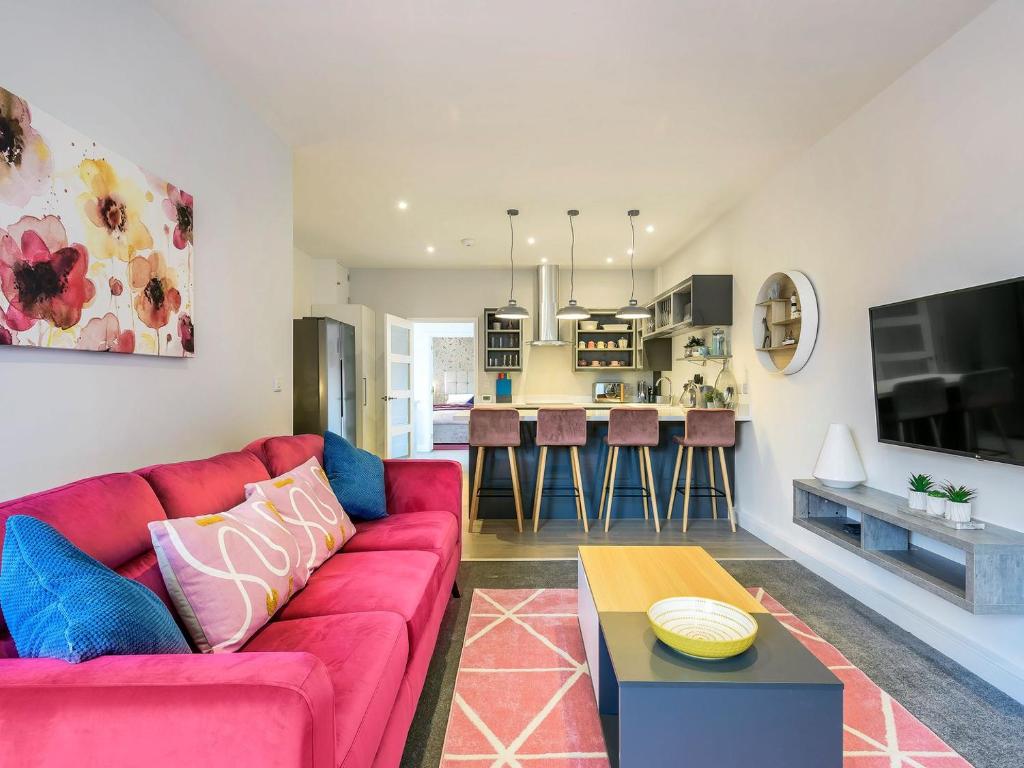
pixel 333 680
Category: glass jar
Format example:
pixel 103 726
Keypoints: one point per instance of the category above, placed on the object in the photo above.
pixel 727 385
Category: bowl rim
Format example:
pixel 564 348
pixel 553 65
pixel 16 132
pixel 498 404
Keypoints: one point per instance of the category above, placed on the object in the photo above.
pixel 695 598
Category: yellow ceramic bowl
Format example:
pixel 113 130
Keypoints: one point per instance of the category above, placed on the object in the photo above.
pixel 701 627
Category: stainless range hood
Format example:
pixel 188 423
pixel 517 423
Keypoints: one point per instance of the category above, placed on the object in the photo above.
pixel 545 322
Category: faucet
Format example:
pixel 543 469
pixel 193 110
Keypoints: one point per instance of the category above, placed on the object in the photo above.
pixel 658 385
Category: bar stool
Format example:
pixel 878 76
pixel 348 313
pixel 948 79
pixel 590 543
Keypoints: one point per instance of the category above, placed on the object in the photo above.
pixel 631 428
pixel 494 428
pixel 705 428
pixel 561 428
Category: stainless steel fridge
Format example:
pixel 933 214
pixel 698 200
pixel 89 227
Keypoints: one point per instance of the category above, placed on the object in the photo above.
pixel 324 377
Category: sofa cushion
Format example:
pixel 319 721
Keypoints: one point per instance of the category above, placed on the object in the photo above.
pixel 404 583
pixel 204 486
pixel 431 531
pixel 63 604
pixel 228 573
pixel 104 516
pixel 366 656
pixel 306 505
pixel 357 477
pixel 281 454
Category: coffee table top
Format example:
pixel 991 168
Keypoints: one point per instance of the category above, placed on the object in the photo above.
pixel 631 579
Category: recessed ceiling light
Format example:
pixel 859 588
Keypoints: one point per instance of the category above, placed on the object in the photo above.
pixel 629 251
pixel 649 228
pixel 609 259
pixel 531 240
pixel 402 205
pixel 430 249
pixel 543 259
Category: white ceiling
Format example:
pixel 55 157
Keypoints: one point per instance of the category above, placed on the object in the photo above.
pixel 464 108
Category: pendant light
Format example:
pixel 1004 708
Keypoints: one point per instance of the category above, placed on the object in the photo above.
pixel 512 311
pixel 632 311
pixel 572 311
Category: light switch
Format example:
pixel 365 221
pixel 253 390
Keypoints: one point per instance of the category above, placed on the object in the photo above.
pixel 276 384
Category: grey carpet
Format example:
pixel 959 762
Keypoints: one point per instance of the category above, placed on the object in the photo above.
pixel 981 723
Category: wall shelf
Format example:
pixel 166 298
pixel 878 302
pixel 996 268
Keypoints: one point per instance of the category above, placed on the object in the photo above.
pixel 775 319
pixel 503 347
pixel 629 358
pixel 987 581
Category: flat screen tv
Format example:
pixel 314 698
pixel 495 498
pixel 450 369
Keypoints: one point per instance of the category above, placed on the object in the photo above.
pixel 949 371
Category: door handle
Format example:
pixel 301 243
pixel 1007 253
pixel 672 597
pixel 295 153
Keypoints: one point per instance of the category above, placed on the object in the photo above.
pixel 387 398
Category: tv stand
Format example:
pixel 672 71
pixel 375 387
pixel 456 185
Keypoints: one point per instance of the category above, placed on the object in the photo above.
pixel 990 580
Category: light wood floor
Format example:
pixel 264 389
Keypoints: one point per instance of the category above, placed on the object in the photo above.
pixel 558 539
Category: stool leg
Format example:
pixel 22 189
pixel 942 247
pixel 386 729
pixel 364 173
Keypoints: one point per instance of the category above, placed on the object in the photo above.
pixel 516 492
pixel 654 493
pixel 575 485
pixel 686 492
pixel 579 487
pixel 711 483
pixel 675 483
pixel 611 489
pixel 539 490
pixel 728 488
pixel 474 492
pixel 643 482
pixel 604 484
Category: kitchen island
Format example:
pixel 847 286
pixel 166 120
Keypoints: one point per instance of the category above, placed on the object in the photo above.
pixel 558 501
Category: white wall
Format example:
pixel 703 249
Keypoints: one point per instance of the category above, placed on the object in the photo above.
pixel 302 283
pixel 447 293
pixel 918 192
pixel 116 72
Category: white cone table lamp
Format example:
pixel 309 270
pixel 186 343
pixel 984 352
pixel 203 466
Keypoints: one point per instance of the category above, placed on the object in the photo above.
pixel 839 464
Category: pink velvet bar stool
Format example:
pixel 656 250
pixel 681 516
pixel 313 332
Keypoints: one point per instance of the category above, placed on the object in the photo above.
pixel 561 428
pixel 631 428
pixel 707 428
pixel 494 428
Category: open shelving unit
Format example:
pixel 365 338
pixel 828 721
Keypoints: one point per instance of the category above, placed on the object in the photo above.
pixel 775 318
pixel 873 524
pixel 503 346
pixel 628 357
pixel 696 302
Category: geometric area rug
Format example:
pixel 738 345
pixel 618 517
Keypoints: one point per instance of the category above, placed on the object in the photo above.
pixel 523 697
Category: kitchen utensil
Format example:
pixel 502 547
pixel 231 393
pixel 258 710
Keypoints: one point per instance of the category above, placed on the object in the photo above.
pixel 588 325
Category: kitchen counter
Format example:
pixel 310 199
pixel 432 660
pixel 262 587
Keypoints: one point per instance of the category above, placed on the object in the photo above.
pixel 599 411
pixel 496 476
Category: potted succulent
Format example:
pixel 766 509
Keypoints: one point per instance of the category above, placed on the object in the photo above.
pixel 958 502
pixel 936 504
pixel 917 491
pixel 695 347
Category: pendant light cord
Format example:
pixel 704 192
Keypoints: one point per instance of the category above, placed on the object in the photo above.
pixel 572 260
pixel 511 261
pixel 632 253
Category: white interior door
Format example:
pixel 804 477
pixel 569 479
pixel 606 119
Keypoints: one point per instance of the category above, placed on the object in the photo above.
pixel 397 387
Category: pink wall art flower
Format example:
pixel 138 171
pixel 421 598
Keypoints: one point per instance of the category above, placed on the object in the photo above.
pixel 96 253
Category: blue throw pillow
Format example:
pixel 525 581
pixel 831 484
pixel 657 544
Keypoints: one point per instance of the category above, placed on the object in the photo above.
pixel 356 477
pixel 59 603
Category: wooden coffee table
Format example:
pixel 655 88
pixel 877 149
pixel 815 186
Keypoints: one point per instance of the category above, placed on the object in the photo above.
pixel 774 705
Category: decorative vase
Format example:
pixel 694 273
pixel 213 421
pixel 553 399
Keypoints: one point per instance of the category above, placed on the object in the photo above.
pixel 917 500
pixel 839 464
pixel 958 511
pixel 936 506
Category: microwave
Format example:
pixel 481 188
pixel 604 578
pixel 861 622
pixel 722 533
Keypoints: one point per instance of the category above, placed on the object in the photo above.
pixel 610 392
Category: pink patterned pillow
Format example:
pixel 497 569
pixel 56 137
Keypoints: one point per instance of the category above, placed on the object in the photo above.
pixel 227 573
pixel 307 505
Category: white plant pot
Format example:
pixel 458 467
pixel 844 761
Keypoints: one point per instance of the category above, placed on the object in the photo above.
pixel 958 512
pixel 936 507
pixel 917 500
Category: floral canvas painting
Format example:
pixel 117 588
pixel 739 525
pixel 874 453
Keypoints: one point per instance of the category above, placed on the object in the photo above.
pixel 95 253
